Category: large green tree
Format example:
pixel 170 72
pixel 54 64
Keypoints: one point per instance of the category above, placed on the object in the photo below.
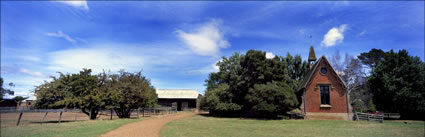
pixel 49 93
pixel 79 90
pixel 92 93
pixel 219 97
pixel 127 91
pixel 253 85
pixel 297 69
pixel 398 85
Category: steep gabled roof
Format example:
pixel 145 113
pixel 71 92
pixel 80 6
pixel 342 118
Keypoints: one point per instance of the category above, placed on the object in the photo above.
pixel 310 74
pixel 177 93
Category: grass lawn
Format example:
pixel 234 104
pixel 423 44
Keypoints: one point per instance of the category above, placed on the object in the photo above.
pixel 85 128
pixel 224 127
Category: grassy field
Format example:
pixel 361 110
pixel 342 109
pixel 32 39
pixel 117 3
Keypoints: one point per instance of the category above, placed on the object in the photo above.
pixel 67 129
pixel 225 127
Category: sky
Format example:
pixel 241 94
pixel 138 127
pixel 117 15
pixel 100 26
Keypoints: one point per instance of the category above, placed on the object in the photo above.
pixel 177 43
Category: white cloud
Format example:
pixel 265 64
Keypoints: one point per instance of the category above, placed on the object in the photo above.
pixel 334 36
pixel 32 73
pixel 205 40
pixel 270 55
pixel 19 70
pixel 157 58
pixel 205 70
pixel 149 57
pixel 8 69
pixel 81 4
pixel 302 31
pixel 31 58
pixel 215 66
pixel 24 85
pixel 60 34
pixel 362 33
pixel 97 59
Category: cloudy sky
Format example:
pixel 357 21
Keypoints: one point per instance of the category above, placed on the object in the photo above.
pixel 176 44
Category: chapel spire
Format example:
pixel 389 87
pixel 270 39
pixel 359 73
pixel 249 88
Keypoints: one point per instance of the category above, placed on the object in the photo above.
pixel 311 57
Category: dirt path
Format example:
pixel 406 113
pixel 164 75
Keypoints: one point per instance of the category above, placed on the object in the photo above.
pixel 145 128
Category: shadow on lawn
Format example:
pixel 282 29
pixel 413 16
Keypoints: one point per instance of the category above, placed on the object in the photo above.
pixel 206 114
pixel 66 121
pixel 42 122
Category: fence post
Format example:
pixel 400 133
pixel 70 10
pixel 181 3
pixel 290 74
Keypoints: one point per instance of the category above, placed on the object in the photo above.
pixel 19 119
pixel 60 117
pixel 367 117
pixel 382 119
pixel 357 116
pixel 45 115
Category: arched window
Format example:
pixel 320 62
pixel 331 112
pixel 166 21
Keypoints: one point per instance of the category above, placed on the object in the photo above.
pixel 324 95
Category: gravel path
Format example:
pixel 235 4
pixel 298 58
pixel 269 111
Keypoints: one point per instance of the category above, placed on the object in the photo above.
pixel 145 128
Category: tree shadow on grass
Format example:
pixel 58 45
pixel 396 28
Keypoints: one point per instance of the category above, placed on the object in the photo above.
pixel 238 116
pixel 52 121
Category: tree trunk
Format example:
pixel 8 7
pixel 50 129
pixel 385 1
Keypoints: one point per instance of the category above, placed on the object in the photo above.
pixel 123 112
pixel 92 113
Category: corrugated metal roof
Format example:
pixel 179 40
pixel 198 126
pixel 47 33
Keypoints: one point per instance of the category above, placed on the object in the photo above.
pixel 177 93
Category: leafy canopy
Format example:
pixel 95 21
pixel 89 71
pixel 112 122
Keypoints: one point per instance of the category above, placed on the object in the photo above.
pixel 92 93
pixel 398 84
pixel 127 91
pixel 253 85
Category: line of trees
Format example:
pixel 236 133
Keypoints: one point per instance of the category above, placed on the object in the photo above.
pixel 392 82
pixel 91 93
pixel 252 85
pixel 397 83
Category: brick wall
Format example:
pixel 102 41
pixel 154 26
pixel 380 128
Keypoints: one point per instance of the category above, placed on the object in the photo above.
pixel 337 93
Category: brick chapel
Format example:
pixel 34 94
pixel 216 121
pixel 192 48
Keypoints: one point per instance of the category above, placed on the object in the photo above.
pixel 324 93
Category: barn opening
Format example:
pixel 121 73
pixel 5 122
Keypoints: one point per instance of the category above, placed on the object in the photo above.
pixel 180 99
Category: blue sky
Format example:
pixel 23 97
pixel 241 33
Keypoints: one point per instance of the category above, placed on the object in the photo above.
pixel 176 44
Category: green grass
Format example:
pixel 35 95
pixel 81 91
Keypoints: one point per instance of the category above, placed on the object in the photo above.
pixel 227 127
pixel 91 128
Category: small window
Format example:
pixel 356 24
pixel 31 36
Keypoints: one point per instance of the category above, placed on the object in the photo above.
pixel 324 95
pixel 323 70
